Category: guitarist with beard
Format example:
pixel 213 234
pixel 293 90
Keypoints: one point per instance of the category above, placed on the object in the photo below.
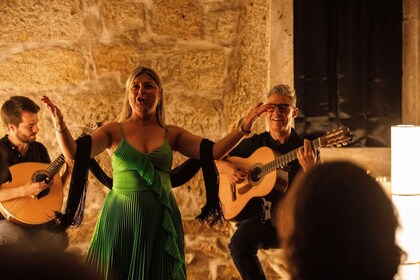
pixel 254 228
pixel 20 115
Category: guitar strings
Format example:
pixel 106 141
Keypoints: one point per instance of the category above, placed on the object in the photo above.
pixel 20 202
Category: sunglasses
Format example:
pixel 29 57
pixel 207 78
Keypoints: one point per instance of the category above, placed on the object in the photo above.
pixel 283 108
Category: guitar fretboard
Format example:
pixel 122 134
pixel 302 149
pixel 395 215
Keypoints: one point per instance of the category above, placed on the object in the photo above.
pixel 337 138
pixel 285 159
pixel 55 166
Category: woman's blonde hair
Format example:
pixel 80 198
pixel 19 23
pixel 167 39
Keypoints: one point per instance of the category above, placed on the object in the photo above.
pixel 127 111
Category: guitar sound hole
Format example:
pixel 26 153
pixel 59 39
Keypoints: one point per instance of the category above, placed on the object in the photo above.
pixel 255 174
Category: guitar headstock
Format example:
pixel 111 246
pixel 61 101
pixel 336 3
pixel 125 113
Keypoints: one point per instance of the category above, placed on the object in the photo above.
pixel 91 127
pixel 337 138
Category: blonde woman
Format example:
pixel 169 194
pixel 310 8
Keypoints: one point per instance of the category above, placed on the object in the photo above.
pixel 139 233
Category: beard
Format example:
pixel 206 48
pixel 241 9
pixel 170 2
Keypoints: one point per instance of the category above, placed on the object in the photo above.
pixel 25 138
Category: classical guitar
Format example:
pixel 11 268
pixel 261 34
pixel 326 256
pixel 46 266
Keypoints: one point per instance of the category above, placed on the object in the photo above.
pixel 39 209
pixel 266 171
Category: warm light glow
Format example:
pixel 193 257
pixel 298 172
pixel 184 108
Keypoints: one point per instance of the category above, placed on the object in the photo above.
pixel 405 187
pixel 405 152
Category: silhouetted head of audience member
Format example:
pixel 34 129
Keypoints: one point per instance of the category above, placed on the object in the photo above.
pixel 336 222
pixel 18 263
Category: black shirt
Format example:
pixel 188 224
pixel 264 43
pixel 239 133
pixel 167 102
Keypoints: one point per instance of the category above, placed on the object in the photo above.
pixel 35 153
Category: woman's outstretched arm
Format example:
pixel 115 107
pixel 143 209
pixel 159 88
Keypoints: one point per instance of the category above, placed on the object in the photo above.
pixel 189 144
pixel 65 139
pixel 101 139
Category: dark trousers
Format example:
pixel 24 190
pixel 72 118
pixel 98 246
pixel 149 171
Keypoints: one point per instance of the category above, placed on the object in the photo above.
pixel 250 236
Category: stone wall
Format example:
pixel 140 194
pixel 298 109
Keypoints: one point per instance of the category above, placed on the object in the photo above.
pixel 213 57
pixel 216 58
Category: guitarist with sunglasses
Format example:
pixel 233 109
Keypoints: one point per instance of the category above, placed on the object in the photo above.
pixel 254 229
pixel 20 115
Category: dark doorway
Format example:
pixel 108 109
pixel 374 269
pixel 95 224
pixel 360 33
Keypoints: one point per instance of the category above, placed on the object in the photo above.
pixel 348 67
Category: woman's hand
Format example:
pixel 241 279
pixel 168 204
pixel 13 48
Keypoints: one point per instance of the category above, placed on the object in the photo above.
pixel 66 142
pixel 55 112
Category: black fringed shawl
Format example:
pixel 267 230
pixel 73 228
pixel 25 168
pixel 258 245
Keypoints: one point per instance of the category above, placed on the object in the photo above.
pixel 211 212
pixel 100 174
pixel 73 213
pixel 186 171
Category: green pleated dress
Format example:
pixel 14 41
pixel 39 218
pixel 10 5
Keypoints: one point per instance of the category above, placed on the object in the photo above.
pixel 139 232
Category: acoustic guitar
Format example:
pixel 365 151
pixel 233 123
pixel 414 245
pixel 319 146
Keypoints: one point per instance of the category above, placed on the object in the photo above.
pixel 41 208
pixel 266 171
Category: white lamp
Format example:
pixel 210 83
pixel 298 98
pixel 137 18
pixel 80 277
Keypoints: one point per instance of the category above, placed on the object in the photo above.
pixel 405 188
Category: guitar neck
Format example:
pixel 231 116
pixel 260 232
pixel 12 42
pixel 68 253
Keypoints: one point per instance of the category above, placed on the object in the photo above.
pixel 55 166
pixel 286 158
pixel 292 155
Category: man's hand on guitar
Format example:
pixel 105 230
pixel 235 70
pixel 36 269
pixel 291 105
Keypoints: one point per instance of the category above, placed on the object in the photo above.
pixel 32 189
pixel 233 173
pixel 306 155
